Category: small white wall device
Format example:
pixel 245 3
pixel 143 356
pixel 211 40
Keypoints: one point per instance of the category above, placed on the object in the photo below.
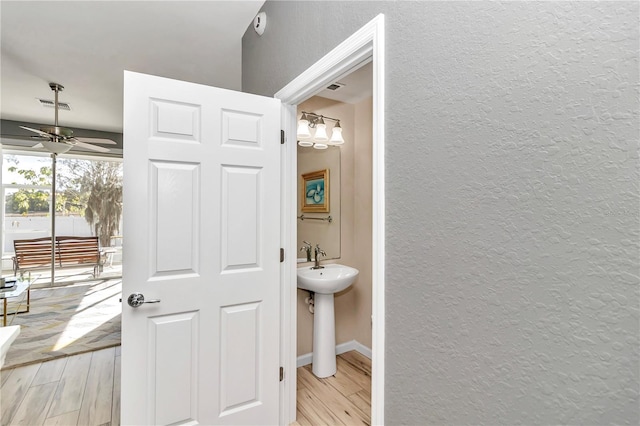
pixel 260 22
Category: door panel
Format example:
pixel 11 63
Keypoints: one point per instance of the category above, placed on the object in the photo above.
pixel 175 120
pixel 239 356
pixel 173 356
pixel 240 220
pixel 241 129
pixel 202 232
pixel 177 230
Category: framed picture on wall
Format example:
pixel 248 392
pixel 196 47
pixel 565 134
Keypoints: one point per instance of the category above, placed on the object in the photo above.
pixel 315 192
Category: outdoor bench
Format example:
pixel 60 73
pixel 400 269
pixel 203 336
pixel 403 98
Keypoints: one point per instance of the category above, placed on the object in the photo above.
pixel 69 251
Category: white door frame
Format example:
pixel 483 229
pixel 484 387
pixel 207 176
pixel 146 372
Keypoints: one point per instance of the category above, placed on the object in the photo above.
pixel 365 45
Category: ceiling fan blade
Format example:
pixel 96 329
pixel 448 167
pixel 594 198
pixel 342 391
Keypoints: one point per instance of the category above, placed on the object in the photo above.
pixel 23 137
pixel 95 140
pixel 80 144
pixel 40 132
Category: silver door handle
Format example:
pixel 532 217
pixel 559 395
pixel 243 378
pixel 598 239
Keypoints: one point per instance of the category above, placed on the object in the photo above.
pixel 137 299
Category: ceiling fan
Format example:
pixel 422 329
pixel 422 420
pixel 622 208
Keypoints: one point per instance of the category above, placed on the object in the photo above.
pixel 59 140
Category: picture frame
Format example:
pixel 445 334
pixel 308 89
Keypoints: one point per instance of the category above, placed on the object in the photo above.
pixel 315 192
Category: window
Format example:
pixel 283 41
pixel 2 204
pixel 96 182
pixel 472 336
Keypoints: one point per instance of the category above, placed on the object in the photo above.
pixel 88 199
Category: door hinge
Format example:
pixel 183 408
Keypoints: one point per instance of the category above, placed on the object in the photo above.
pixel 281 137
pixel 281 373
pixel 281 255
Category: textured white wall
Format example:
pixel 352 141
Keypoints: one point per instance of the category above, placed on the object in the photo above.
pixel 512 201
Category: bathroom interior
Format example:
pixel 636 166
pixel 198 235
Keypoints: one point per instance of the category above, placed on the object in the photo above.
pixel 345 239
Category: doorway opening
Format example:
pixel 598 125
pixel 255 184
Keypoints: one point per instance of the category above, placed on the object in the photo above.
pixel 364 46
pixel 334 330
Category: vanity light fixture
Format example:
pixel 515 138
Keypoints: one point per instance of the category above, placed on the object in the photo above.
pixel 320 139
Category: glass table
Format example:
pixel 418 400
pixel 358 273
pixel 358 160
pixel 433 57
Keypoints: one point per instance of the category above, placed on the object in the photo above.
pixel 21 290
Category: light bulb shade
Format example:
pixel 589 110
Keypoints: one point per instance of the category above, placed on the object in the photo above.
pixel 303 128
pixel 305 144
pixel 56 147
pixel 320 146
pixel 321 131
pixel 336 135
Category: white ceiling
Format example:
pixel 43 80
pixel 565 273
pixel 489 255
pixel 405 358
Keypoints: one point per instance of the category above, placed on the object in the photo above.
pixel 86 45
pixel 356 86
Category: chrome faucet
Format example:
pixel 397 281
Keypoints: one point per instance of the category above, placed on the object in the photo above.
pixel 318 251
pixel 307 247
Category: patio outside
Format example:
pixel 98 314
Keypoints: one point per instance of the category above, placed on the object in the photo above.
pixel 88 203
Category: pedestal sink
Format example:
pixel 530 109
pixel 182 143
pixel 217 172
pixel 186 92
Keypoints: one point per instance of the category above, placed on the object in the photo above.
pixel 324 283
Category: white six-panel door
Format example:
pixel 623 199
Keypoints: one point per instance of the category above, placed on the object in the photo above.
pixel 201 229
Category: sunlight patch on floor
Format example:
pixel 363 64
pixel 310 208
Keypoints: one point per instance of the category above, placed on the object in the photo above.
pixel 85 320
pixel 95 298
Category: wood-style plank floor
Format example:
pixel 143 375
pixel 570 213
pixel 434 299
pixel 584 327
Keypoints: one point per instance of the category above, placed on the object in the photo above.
pixel 85 390
pixel 343 399
pixel 81 389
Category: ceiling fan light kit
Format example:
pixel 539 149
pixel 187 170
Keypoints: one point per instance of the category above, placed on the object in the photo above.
pixel 58 140
pixel 56 147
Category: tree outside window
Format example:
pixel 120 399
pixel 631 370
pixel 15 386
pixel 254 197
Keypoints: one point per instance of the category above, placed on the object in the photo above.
pixel 96 186
pixel 89 188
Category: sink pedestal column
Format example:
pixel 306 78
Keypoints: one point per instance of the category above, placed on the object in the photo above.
pixel 324 336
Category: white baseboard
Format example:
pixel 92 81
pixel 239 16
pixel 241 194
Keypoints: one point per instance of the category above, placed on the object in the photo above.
pixel 352 345
pixel 362 349
pixel 304 360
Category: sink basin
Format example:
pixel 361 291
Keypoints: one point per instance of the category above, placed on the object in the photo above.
pixel 328 280
pixel 324 283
